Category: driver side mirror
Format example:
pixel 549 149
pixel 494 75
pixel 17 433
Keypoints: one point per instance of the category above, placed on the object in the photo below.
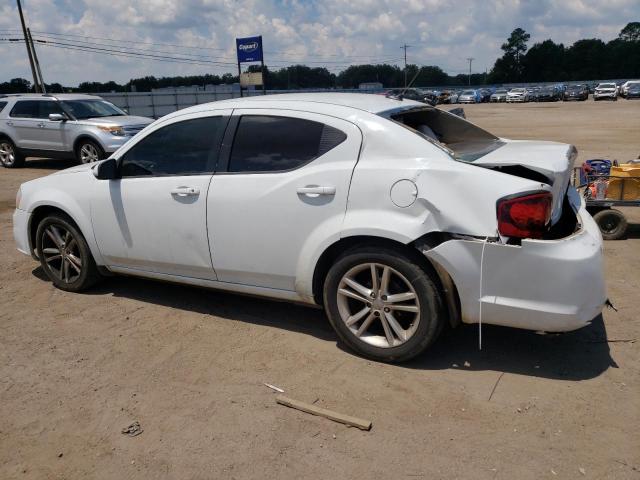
pixel 106 170
pixel 57 117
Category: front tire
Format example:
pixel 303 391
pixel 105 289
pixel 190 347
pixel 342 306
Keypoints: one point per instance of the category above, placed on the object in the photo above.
pixel 88 151
pixel 10 156
pixel 64 254
pixel 382 304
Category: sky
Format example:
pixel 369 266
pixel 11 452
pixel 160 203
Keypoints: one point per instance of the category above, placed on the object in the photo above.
pixel 329 33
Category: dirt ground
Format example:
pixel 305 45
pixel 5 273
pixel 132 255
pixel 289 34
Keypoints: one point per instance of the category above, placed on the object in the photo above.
pixel 189 365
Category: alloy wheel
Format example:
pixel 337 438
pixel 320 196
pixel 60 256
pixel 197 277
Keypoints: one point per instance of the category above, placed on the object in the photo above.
pixel 378 304
pixel 61 253
pixel 89 153
pixel 7 154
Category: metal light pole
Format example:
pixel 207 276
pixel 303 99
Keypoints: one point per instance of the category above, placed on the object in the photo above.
pixel 26 41
pixel 470 59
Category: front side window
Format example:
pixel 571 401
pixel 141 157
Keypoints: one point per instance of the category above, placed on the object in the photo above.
pixel 273 144
pixel 189 147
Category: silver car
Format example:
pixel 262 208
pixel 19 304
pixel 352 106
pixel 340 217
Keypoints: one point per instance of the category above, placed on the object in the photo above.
pixel 62 126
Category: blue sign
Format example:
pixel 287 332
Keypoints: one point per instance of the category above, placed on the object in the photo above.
pixel 249 49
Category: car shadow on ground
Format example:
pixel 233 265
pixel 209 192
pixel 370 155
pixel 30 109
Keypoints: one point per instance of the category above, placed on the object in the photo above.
pixel 50 163
pixel 633 230
pixel 578 355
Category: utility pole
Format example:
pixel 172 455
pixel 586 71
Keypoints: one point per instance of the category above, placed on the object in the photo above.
pixel 470 60
pixel 35 58
pixel 404 47
pixel 26 41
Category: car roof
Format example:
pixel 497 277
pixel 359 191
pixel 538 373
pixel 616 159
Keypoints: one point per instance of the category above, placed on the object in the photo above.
pixel 361 101
pixel 48 96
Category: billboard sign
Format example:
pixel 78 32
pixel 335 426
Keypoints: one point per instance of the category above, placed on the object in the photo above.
pixel 249 49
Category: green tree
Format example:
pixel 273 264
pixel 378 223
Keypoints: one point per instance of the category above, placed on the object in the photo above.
pixel 509 68
pixel 631 32
pixel 544 62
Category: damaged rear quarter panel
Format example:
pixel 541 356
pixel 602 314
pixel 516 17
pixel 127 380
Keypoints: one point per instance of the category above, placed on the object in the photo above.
pixel 452 196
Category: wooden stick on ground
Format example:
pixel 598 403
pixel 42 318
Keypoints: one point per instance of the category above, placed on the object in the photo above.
pixel 322 412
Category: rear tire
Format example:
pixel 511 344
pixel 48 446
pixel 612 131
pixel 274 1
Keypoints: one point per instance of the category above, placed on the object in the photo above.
pixel 64 254
pixel 10 156
pixel 390 319
pixel 88 151
pixel 612 223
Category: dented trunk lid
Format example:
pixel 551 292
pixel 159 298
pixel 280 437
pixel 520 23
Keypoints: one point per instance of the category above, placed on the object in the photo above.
pixel 554 161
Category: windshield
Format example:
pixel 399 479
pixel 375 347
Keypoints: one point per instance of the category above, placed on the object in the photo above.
pixel 501 91
pixel 83 109
pixel 575 87
pixel 517 90
pixel 607 85
pixel 469 92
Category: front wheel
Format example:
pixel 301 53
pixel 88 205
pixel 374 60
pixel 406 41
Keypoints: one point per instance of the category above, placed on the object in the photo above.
pixel 89 151
pixel 382 304
pixel 64 254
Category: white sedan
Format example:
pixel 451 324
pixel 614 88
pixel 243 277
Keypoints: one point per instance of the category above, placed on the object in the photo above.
pixel 397 217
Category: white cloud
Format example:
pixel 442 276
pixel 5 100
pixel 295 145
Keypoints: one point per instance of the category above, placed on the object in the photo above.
pixel 441 32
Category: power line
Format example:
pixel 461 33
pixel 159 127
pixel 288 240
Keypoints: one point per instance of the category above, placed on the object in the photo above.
pixel 114 43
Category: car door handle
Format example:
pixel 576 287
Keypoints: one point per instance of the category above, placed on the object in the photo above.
pixel 316 190
pixel 10 124
pixel 185 191
pixel 41 125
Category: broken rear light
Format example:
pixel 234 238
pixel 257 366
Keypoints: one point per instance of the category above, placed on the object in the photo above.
pixel 524 216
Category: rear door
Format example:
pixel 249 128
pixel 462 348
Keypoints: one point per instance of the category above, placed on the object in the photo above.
pixel 282 188
pixel 33 129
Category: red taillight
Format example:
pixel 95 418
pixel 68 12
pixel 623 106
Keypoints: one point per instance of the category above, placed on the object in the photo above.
pixel 526 216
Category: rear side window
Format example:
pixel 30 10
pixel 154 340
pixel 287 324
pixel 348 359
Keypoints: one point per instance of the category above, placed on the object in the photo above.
pixel 274 144
pixel 26 109
pixel 185 148
pixel 35 109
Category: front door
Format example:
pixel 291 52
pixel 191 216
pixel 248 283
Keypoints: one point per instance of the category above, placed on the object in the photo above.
pixel 285 186
pixel 154 217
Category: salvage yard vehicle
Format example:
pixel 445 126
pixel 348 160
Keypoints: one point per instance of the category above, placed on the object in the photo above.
pixel 517 95
pixel 499 96
pixel 399 218
pixel 62 126
pixel 576 92
pixel 606 91
pixel 633 91
pixel 470 96
pixel 626 86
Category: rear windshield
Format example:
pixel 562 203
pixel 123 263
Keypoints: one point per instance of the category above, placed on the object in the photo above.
pixel 463 140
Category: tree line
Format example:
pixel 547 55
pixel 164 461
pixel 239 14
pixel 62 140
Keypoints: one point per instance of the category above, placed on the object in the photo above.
pixel 547 61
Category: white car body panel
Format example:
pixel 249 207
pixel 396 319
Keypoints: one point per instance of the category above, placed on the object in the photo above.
pixel 254 234
pixel 254 250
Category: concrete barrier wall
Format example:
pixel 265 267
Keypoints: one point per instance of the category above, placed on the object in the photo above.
pixel 158 104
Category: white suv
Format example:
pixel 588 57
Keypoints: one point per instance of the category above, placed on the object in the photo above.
pixel 62 126
pixel 396 216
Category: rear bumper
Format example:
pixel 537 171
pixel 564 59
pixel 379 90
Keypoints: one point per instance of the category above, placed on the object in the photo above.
pixel 21 230
pixel 548 285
